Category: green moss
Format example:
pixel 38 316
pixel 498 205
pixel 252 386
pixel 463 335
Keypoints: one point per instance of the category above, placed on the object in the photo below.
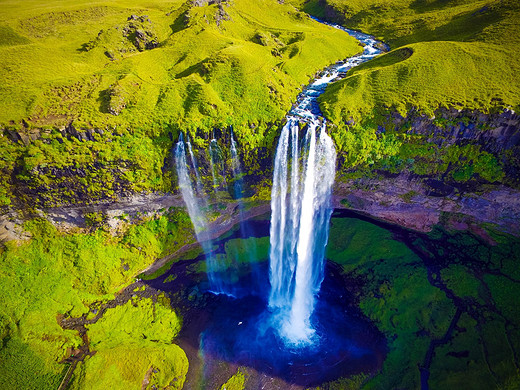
pixel 459 280
pixel 352 383
pixel 236 382
pixel 134 342
pixel 18 359
pixel 95 219
pixel 351 245
pixel 59 274
pixel 395 294
pixel 461 361
pixel 412 308
pixel 127 366
pixel 87 66
pixel 504 292
pixel 359 145
pixel 409 196
pixel 240 250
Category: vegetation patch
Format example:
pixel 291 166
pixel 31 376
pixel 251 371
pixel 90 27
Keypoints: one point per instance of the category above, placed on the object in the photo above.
pixel 62 275
pixel 445 302
pixel 134 347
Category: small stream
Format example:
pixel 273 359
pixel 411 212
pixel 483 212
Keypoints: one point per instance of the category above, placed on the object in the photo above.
pixel 307 107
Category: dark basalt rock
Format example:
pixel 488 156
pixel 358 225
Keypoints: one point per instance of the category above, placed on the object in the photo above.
pixel 139 31
pixel 496 133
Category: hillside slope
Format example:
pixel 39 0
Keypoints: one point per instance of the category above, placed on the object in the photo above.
pixel 94 94
pixel 441 104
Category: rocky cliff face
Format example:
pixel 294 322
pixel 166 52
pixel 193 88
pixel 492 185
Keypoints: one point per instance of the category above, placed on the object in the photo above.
pixel 408 201
pixel 420 201
pixel 405 198
pixel 496 133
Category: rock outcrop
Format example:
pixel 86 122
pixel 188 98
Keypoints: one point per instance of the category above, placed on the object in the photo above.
pixel 410 202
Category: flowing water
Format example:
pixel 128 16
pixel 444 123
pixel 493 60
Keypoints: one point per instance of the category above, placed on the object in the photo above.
pixel 221 333
pixel 213 155
pixel 195 205
pixel 238 185
pixel 300 203
pixel 196 170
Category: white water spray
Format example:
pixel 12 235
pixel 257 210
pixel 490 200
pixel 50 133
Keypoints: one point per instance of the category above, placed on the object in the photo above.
pixel 212 150
pixel 299 227
pixel 194 166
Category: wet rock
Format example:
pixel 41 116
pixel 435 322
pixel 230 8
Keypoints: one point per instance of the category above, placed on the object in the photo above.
pixel 11 228
pixel 411 203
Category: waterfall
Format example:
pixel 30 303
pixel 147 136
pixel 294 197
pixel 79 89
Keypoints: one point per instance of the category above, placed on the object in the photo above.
pixel 195 211
pixel 238 186
pixel 235 166
pixel 212 150
pixel 217 165
pixel 194 165
pixel 303 176
pixel 299 226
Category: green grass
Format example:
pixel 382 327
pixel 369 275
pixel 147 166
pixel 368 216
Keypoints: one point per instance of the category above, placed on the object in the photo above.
pixel 55 80
pixel 56 274
pixel 464 75
pixel 131 339
pixel 394 291
pixel 236 382
pixel 68 63
pixel 446 54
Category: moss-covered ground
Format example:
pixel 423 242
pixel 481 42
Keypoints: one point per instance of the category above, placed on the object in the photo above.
pixel 446 302
pixel 134 344
pixel 56 276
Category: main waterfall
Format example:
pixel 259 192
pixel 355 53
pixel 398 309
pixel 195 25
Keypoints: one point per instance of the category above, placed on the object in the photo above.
pixel 300 206
pixel 303 176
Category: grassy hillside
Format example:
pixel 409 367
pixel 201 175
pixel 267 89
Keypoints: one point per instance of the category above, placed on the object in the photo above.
pixel 57 276
pixel 450 61
pixel 106 87
pixel 86 62
pixel 446 54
